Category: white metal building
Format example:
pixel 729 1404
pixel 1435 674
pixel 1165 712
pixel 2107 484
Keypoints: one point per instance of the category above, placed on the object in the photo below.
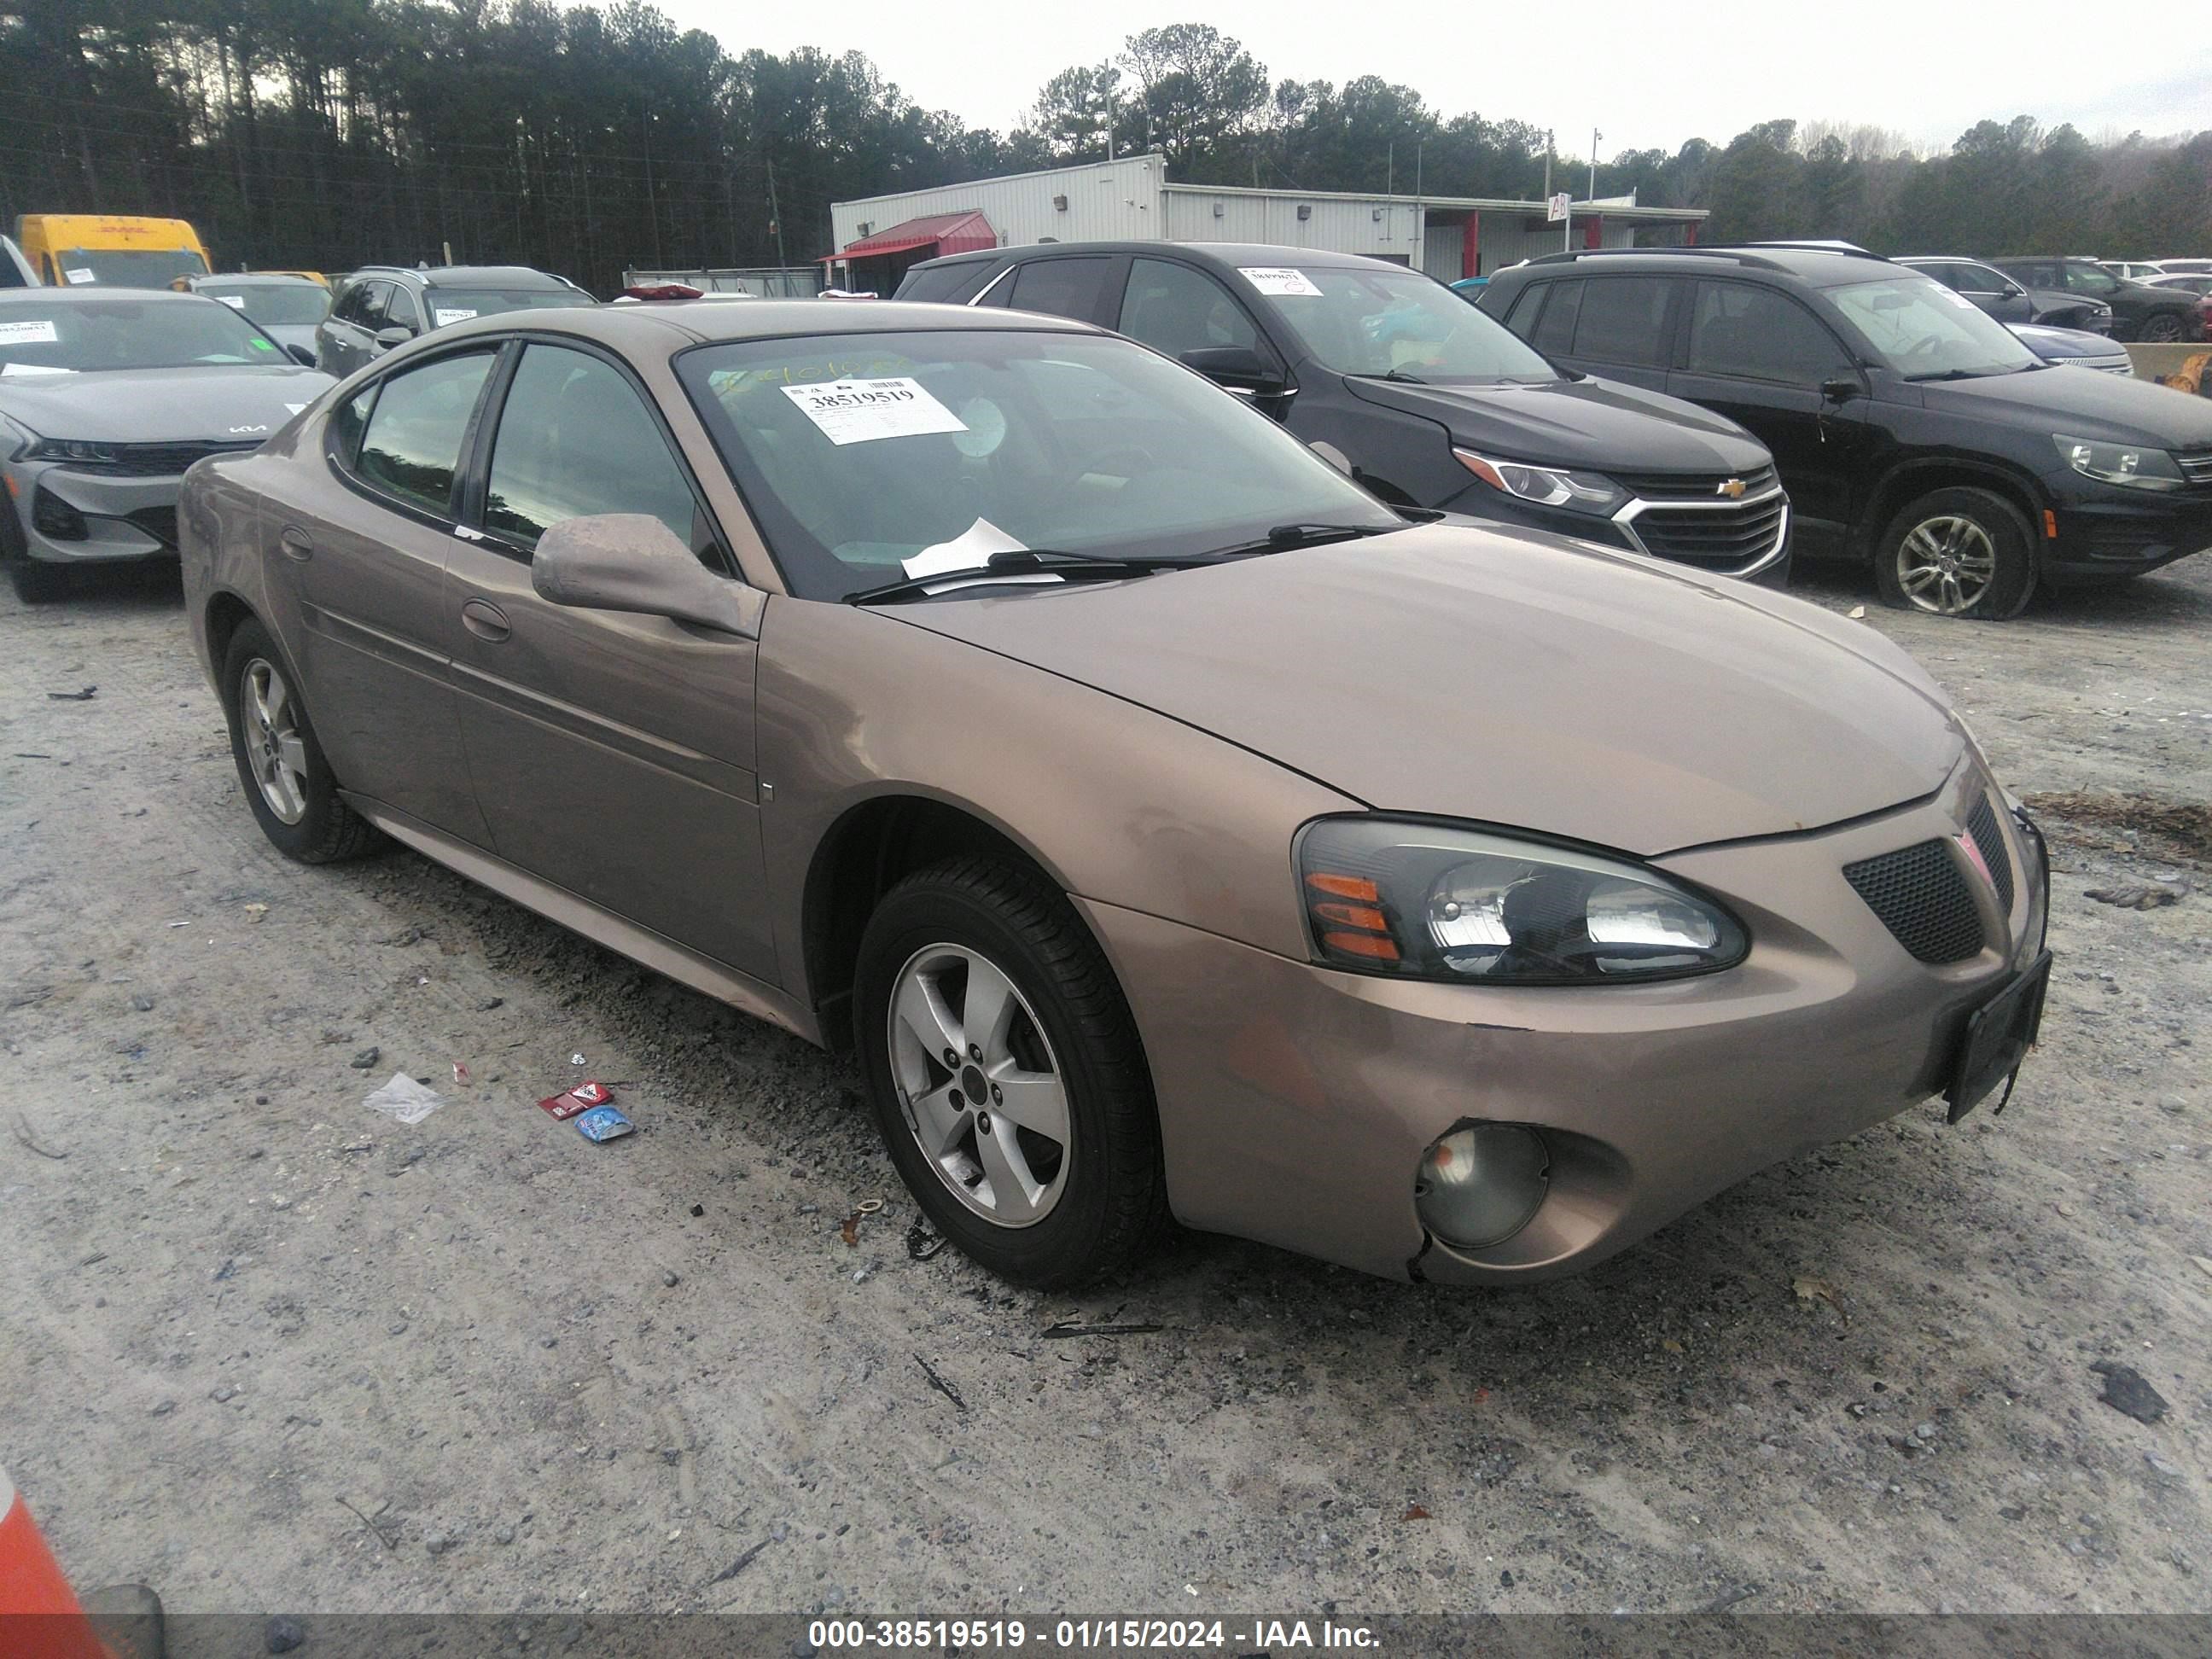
pixel 1131 199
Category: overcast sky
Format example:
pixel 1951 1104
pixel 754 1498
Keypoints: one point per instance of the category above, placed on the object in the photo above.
pixel 1646 75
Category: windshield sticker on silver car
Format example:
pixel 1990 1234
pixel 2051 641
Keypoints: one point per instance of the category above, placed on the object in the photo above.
pixel 81 273
pixel 862 412
pixel 1280 279
pixel 442 315
pixel 235 301
pixel 30 333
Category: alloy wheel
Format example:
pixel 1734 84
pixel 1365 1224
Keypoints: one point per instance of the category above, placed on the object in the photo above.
pixel 979 1084
pixel 274 748
pixel 1944 565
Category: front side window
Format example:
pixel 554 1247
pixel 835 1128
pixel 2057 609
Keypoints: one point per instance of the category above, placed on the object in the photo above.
pixel 1174 309
pixel 1361 321
pixel 860 454
pixel 1624 320
pixel 1758 334
pixel 1926 332
pixel 85 336
pixel 1978 279
pixel 1061 287
pixel 2088 279
pixel 411 447
pixel 575 439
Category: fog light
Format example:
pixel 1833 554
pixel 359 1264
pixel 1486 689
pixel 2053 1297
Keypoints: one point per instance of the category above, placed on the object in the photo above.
pixel 1481 1185
pixel 56 519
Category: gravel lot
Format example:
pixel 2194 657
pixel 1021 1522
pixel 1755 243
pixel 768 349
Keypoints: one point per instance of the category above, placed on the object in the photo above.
pixel 267 1350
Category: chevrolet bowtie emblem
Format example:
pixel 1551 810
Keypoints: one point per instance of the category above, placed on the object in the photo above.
pixel 1731 488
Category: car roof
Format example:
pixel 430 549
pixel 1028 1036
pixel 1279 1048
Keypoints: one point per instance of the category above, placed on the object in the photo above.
pixel 673 324
pixel 1227 255
pixel 255 279
pixel 468 276
pixel 1817 267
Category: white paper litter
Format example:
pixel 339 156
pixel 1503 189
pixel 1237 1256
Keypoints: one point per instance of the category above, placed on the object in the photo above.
pixel 1280 279
pixel 404 1100
pixel 861 411
pixel 968 550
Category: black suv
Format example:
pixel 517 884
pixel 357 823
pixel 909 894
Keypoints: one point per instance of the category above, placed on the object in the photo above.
pixel 379 307
pixel 1401 383
pixel 2139 312
pixel 1911 429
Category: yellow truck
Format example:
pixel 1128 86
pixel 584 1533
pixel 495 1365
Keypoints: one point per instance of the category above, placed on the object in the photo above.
pixel 111 250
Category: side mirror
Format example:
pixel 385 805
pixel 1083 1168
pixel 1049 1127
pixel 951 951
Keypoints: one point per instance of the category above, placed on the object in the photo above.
pixel 632 561
pixel 397 335
pixel 1841 389
pixel 1239 368
pixel 303 355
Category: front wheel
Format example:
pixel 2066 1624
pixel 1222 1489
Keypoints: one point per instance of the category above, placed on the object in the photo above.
pixel 1006 1075
pixel 289 784
pixel 1957 552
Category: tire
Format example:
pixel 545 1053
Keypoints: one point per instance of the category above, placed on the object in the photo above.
pixel 2162 327
pixel 303 816
pixel 1074 1208
pixel 1985 539
pixel 35 583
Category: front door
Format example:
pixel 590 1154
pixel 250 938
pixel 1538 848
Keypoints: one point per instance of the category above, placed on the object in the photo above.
pixel 613 754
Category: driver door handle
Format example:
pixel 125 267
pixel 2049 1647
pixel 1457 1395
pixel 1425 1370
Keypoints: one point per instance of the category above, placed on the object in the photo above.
pixel 296 542
pixel 485 620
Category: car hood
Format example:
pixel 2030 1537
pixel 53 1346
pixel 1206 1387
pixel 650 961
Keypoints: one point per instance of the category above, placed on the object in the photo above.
pixel 162 405
pixel 2065 345
pixel 1597 424
pixel 2102 406
pixel 1506 676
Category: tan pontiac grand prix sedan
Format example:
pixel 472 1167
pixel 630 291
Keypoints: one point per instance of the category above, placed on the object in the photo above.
pixel 1168 828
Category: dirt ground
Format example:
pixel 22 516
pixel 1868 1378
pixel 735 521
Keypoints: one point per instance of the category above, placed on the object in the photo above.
pixel 267 1350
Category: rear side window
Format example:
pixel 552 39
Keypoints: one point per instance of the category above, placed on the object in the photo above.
pixel 411 447
pixel 1174 309
pixel 1554 332
pixel 1062 288
pixel 1756 334
pixel 575 439
pixel 1623 320
pixel 935 287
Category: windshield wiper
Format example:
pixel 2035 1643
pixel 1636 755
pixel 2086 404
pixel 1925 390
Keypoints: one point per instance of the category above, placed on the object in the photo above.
pixel 1281 538
pixel 1397 375
pixel 1026 561
pixel 1953 374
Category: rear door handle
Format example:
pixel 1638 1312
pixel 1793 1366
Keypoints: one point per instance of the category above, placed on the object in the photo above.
pixel 296 542
pixel 485 620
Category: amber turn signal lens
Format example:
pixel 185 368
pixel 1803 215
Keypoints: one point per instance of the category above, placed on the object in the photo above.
pixel 1351 887
pixel 1361 944
pixel 1354 915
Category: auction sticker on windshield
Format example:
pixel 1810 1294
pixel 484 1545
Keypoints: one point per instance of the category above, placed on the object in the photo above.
pixel 861 411
pixel 38 333
pixel 81 273
pixel 1280 279
pixel 443 316
pixel 234 302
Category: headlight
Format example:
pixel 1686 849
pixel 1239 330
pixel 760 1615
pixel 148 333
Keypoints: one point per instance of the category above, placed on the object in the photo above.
pixel 67 449
pixel 2120 463
pixel 1441 902
pixel 1547 486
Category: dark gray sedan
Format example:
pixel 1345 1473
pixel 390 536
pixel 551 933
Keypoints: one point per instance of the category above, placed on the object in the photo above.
pixel 106 398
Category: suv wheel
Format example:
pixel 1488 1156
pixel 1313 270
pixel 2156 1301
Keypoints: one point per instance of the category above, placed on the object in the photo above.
pixel 1957 552
pixel 2163 326
pixel 1007 1076
pixel 289 785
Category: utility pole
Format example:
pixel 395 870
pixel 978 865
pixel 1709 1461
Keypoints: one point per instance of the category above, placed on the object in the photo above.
pixel 775 218
pixel 1547 164
pixel 1595 136
pixel 1107 87
pixel 652 198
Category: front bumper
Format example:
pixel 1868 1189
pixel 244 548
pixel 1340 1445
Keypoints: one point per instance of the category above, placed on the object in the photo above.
pixel 1296 1101
pixel 2108 532
pixel 125 517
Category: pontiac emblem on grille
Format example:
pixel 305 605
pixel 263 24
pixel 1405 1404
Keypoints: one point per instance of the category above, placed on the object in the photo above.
pixel 1731 488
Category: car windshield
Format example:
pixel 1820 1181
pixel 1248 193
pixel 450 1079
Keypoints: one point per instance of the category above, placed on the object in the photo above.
pixel 1359 321
pixel 1926 332
pixel 458 305
pixel 84 336
pixel 869 457
pixel 273 305
pixel 127 267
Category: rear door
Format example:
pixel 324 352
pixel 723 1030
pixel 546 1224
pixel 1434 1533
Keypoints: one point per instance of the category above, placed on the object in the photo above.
pixel 612 753
pixel 366 557
pixel 1760 357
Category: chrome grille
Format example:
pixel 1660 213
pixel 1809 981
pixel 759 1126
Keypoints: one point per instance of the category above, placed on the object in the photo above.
pixel 156 460
pixel 1989 838
pixel 2196 466
pixel 1922 898
pixel 1721 537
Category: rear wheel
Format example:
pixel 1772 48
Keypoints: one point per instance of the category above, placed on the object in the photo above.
pixel 289 784
pixel 2163 327
pixel 1957 552
pixel 1006 1075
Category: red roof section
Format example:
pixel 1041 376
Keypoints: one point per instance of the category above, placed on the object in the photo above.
pixel 949 233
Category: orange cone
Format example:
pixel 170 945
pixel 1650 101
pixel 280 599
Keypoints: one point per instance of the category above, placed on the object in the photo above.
pixel 39 1617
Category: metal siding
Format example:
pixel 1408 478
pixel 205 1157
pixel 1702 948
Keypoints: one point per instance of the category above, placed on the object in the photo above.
pixel 1340 226
pixel 1505 242
pixel 1443 246
pixel 1106 201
